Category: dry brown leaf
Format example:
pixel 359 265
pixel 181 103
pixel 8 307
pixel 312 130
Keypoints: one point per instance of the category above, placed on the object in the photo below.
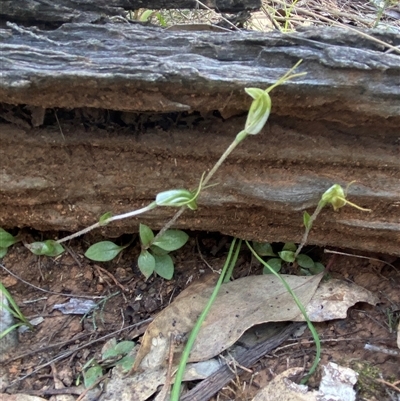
pixel 333 298
pixel 240 305
pixel 138 387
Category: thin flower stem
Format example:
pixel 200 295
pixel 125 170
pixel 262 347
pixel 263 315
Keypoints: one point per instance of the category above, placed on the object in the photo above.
pixel 112 218
pixel 239 138
pixel 308 228
pixel 176 388
pixel 299 305
pixel 168 225
pixel 217 165
pixel 152 205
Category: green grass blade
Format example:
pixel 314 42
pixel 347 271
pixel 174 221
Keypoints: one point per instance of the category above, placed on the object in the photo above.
pixel 192 337
pixel 302 310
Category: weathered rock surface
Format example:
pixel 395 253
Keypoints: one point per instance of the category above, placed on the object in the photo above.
pixel 112 150
pixel 38 11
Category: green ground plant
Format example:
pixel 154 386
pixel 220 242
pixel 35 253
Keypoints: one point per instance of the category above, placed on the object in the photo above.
pixel 224 277
pixel 290 253
pixel 155 248
pixel 6 240
pixel 154 256
pixel 305 263
pixel 14 310
pixel 113 354
pixel 145 15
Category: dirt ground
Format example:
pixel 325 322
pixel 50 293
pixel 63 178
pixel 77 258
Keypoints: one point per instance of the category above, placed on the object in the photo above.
pixel 40 359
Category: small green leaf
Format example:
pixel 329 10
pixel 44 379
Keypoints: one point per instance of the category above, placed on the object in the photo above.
pixel 263 248
pixel 13 307
pixel 164 266
pixel 155 250
pixel 146 234
pixel 305 261
pixel 103 251
pixel 275 264
pixel 104 219
pixel 289 246
pixel 172 240
pixel 306 220
pixel 161 20
pixel 126 363
pixel 287 256
pixel 317 268
pixel 6 239
pixel 146 263
pixel 122 348
pixel 146 15
pixel 108 350
pixel 91 376
pixel 9 309
pixel 3 252
pixel 305 272
pixel 9 330
pixel 48 248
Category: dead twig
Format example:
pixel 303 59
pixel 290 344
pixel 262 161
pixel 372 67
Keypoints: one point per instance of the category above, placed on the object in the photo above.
pixel 70 352
pixel 163 395
pixel 109 275
pixel 50 292
pixel 361 257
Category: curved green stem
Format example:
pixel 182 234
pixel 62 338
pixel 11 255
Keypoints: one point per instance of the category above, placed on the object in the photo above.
pixel 151 206
pixel 302 310
pixel 317 211
pixel 239 138
pixel 176 389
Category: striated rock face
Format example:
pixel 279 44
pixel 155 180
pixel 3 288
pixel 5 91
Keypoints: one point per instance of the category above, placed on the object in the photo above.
pixel 98 118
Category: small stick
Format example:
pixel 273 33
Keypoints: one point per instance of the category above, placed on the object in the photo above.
pixel 163 395
pixel 360 257
pixel 109 275
pixel 70 352
pixel 51 292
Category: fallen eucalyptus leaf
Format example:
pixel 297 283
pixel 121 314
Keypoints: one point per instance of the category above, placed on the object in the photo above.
pixel 137 387
pixel 240 305
pixel 333 298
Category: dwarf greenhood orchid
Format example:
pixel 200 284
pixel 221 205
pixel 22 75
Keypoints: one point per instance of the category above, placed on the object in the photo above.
pixel 336 196
pixel 260 109
pixel 180 197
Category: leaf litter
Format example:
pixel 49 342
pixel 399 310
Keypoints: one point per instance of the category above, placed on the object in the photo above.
pixel 241 305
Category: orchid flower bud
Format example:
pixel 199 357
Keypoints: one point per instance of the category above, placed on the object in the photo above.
pixel 336 196
pixel 259 110
pixel 177 198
